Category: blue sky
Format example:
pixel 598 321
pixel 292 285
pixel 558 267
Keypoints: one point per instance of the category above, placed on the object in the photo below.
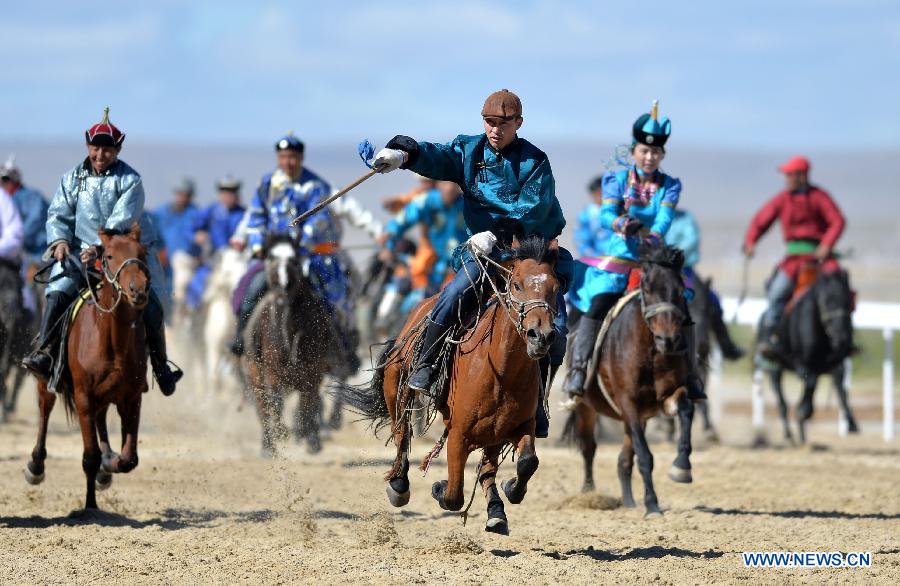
pixel 780 75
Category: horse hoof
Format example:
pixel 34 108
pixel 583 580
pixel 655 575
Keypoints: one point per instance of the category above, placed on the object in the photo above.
pixel 314 446
pixel 629 504
pixel 33 479
pixel 680 474
pixel 437 492
pixel 711 436
pixel 497 525
pixel 397 499
pixel 654 514
pixel 510 490
pixel 104 480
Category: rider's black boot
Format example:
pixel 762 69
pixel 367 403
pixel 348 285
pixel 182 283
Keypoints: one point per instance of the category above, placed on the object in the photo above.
pixel 767 341
pixel 156 344
pixel 730 350
pixel 426 369
pixel 40 361
pixel 582 350
pixel 237 345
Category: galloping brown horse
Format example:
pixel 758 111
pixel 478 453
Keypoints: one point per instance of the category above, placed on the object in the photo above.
pixel 494 385
pixel 643 365
pixel 107 360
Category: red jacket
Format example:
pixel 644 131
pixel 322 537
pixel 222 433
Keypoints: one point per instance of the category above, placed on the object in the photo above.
pixel 810 215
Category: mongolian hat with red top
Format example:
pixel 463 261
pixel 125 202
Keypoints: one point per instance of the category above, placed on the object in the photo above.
pixel 104 133
pixel 796 164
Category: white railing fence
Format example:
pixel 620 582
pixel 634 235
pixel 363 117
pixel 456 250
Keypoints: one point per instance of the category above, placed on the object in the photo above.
pixel 869 315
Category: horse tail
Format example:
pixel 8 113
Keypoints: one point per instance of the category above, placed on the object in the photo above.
pixel 368 399
pixel 570 430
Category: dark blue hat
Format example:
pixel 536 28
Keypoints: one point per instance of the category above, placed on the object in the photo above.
pixel 650 129
pixel 289 142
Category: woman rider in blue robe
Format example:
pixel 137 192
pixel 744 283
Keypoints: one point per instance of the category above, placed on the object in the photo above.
pixel 638 205
pixel 508 187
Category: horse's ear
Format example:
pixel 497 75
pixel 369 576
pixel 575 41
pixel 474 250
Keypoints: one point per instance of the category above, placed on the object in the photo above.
pixel 104 237
pixel 553 245
pixel 515 242
pixel 135 232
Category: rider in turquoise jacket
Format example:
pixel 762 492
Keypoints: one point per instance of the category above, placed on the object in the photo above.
pixel 506 181
pixel 638 205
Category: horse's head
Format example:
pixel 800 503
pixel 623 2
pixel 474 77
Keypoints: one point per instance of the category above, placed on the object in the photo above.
pixel 835 304
pixel 662 295
pixel 124 262
pixel 284 269
pixel 531 291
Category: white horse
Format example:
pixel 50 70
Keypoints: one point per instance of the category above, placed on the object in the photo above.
pixel 220 321
pixel 183 267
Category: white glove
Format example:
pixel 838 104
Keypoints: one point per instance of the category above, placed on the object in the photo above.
pixel 483 242
pixel 388 160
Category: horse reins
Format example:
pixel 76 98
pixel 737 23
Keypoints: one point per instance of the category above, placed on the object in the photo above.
pixel 516 309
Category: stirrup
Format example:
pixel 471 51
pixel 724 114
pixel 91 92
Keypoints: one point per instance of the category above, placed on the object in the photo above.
pixel 571 402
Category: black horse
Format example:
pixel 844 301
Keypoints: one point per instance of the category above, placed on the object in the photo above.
pixel 17 327
pixel 816 336
pixel 287 341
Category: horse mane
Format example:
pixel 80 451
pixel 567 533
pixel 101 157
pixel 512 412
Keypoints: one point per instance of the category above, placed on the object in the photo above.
pixel 662 255
pixel 536 248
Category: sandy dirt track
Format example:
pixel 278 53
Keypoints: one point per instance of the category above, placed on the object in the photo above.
pixel 202 507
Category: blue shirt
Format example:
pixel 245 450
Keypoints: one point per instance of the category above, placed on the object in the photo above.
pixel 279 199
pixel 220 222
pixel 33 208
pixel 177 226
pixel 621 201
pixel 445 224
pixel 685 234
pixel 590 235
pixel 516 183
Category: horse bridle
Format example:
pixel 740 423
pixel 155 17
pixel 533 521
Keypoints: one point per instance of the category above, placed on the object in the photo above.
pixel 650 311
pixel 113 279
pixel 516 309
pixel 521 307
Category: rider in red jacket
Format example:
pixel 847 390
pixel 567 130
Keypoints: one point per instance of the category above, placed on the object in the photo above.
pixel 811 224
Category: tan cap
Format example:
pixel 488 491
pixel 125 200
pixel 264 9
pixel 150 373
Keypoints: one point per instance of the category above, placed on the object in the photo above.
pixel 502 104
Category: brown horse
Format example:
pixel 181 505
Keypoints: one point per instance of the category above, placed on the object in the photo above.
pixel 494 384
pixel 287 341
pixel 643 365
pixel 107 361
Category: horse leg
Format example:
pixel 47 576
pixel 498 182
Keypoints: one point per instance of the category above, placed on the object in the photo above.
pixel 130 414
pixel 307 418
pixel 91 457
pixel 838 376
pixel 709 432
pixel 263 409
pixel 645 465
pixel 449 493
pixel 496 516
pixel 104 476
pixel 337 407
pixel 805 408
pixel 680 471
pixel 34 469
pixel 585 420
pixel 516 487
pixel 775 377
pixel 624 469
